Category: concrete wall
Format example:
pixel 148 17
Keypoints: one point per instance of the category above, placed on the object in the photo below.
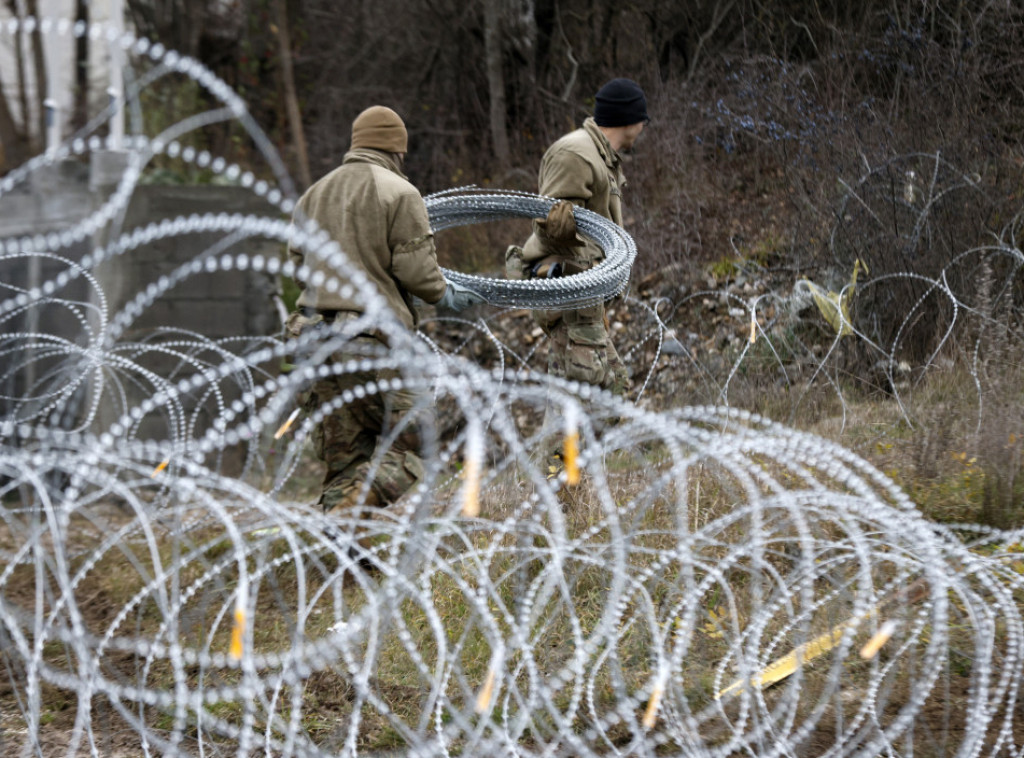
pixel 215 305
pixel 218 304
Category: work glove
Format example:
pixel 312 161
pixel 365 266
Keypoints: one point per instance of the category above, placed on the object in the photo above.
pixel 559 227
pixel 458 298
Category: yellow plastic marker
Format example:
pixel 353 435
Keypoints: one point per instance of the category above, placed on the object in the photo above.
pixel 163 464
pixel 651 714
pixel 788 664
pixel 571 447
pixel 471 472
pixel 283 429
pixel 237 632
pixel 884 633
pixel 753 326
pixel 783 667
pixel 571 450
pixel 483 699
pixel 471 489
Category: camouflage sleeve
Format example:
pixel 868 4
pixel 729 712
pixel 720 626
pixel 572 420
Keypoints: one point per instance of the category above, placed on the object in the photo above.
pixel 413 255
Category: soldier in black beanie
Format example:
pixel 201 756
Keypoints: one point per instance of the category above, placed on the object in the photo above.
pixel 620 102
pixel 583 168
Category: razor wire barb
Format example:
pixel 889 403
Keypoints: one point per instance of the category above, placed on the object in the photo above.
pixel 596 285
pixel 694 581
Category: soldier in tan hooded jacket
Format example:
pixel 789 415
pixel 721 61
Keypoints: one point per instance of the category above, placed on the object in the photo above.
pixel 584 168
pixel 379 220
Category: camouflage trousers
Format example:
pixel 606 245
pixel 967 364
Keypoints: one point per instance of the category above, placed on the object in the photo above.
pixel 583 352
pixel 363 440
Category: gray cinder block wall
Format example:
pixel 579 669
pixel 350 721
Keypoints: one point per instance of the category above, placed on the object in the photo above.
pixel 218 305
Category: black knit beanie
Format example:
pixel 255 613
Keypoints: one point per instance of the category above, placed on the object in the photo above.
pixel 620 102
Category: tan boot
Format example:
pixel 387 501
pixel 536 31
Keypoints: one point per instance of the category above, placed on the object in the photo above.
pixel 346 496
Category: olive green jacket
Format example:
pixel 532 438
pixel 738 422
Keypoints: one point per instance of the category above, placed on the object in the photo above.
pixel 380 221
pixel 583 168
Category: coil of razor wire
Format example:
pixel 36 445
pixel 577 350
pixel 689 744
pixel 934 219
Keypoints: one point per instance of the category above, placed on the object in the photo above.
pixel 465 206
pixel 706 583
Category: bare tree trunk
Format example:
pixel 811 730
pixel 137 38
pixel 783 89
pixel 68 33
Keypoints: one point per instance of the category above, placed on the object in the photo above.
pixel 290 97
pixel 13 154
pixel 193 15
pixel 39 60
pixel 494 54
pixel 522 36
pixel 80 114
pixel 19 56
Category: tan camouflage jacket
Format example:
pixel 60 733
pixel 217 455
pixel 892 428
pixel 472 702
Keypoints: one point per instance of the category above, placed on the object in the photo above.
pixel 583 168
pixel 378 218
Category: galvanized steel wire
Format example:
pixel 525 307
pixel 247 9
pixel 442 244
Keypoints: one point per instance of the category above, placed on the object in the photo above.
pixel 697 581
pixel 591 287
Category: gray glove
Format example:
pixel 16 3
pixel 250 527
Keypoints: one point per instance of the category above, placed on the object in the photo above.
pixel 458 298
